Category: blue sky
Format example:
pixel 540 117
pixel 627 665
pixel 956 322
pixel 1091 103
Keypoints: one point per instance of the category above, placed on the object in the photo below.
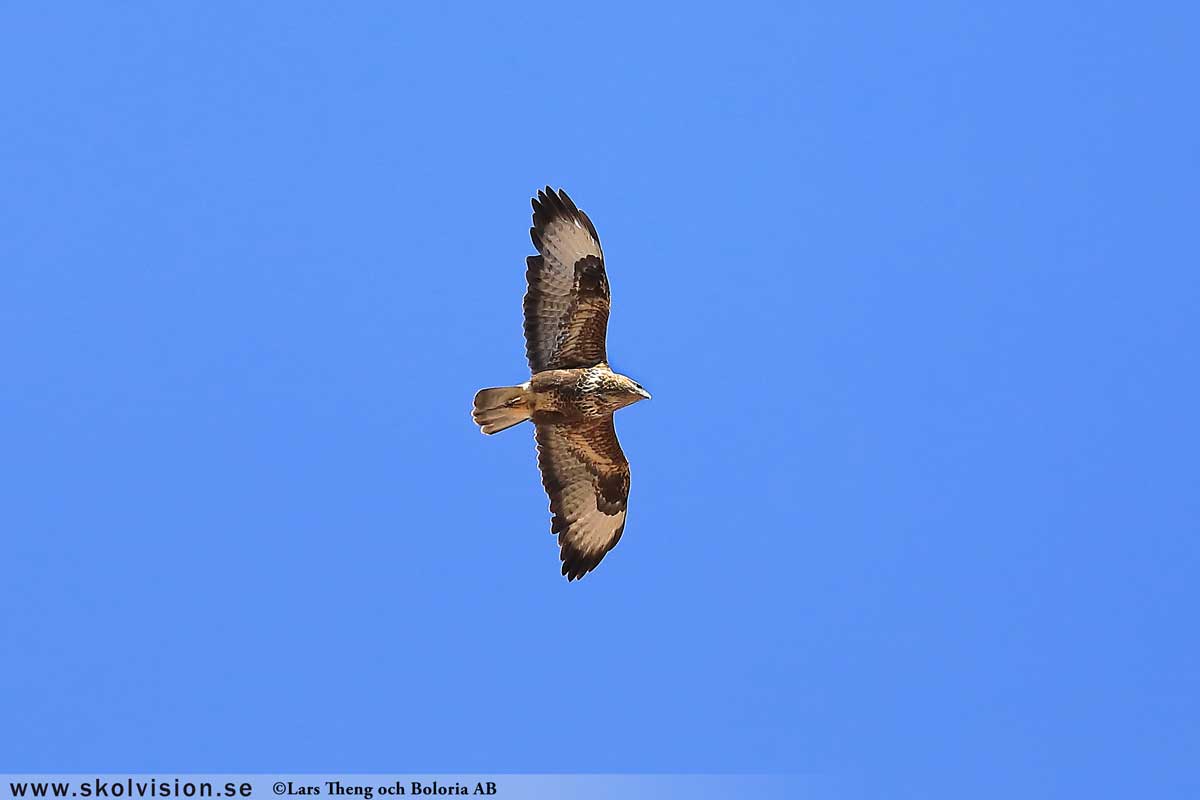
pixel 914 287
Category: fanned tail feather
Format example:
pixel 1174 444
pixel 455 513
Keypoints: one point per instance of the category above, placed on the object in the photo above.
pixel 500 408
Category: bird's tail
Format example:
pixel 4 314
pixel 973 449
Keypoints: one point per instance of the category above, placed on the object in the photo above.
pixel 500 408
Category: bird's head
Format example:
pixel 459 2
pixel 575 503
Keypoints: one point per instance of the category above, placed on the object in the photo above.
pixel 627 391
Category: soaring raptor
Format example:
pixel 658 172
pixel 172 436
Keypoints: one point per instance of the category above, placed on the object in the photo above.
pixel 572 393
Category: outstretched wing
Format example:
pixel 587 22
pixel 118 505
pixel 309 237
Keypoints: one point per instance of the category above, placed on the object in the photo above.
pixel 566 306
pixel 587 477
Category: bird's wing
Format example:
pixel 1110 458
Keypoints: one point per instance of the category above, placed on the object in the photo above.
pixel 587 477
pixel 566 306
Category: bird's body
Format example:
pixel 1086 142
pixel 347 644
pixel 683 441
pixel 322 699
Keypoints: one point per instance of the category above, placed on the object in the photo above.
pixel 557 397
pixel 572 393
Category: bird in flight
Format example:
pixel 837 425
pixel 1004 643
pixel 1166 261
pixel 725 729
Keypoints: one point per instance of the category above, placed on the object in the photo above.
pixel 572 393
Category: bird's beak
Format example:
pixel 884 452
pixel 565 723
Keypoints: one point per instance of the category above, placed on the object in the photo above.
pixel 643 393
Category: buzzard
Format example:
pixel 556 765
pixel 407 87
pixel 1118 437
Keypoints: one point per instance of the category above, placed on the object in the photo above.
pixel 572 393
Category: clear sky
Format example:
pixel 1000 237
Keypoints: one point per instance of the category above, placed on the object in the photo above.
pixel 914 287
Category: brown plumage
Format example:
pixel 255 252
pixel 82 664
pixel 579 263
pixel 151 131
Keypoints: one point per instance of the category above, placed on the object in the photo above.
pixel 572 393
